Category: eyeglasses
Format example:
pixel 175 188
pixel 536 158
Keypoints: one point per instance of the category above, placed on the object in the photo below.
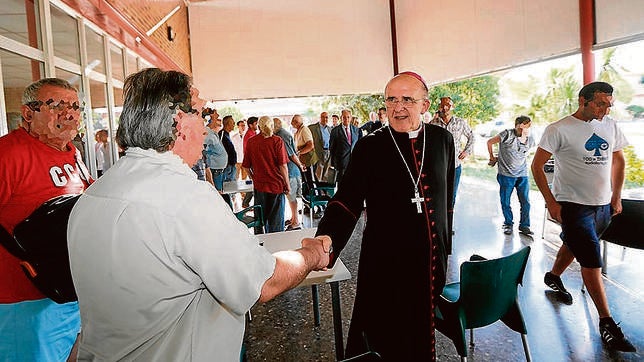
pixel 405 101
pixel 54 106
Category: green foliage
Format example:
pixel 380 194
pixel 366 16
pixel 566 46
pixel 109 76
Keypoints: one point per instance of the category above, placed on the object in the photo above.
pixel 557 99
pixel 634 168
pixel 636 111
pixel 475 99
pixel 359 104
pixel 556 95
pixel 230 111
pixel 611 73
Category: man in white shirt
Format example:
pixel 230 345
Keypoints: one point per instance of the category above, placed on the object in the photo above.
pixel 305 149
pixel 238 142
pixel 162 267
pixel 589 175
pixel 459 128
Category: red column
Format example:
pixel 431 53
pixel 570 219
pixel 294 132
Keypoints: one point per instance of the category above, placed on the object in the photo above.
pixel 587 38
pixel 32 33
pixel 394 40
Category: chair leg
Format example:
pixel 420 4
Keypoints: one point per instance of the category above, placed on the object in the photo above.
pixel 605 258
pixel 316 304
pixel 472 337
pixel 543 226
pixel 526 348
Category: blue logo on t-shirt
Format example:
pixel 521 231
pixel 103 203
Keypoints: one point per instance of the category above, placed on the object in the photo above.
pixel 596 143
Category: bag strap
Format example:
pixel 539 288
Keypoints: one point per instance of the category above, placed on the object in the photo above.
pixel 9 243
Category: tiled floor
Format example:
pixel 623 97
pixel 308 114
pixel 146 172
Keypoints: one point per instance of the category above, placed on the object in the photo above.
pixel 283 330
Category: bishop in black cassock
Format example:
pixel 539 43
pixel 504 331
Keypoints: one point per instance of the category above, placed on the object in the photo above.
pixel 405 242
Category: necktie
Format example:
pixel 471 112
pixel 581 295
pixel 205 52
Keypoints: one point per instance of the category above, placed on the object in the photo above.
pixel 348 134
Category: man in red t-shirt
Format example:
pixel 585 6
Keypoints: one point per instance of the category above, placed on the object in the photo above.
pixel 252 132
pixel 37 162
pixel 265 161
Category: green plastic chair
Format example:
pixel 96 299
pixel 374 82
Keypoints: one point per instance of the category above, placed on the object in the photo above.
pixel 252 220
pixel 319 195
pixel 486 293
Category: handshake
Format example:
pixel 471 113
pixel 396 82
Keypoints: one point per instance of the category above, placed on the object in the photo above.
pixel 321 248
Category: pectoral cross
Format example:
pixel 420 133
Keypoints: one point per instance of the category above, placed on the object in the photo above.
pixel 417 199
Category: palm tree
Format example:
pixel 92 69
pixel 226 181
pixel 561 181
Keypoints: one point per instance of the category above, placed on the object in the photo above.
pixel 546 99
pixel 611 72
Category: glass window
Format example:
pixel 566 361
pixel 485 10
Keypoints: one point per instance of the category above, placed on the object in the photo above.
pixel 145 64
pixel 131 64
pixel 118 104
pixel 73 78
pixel 65 36
pixel 81 140
pixel 19 22
pixel 18 72
pixel 118 108
pixel 100 117
pixel 116 57
pixel 95 52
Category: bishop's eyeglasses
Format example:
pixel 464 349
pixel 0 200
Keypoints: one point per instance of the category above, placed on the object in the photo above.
pixel 405 101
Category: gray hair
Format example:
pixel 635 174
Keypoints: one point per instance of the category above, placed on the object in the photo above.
pixel 31 92
pixel 266 126
pixel 151 99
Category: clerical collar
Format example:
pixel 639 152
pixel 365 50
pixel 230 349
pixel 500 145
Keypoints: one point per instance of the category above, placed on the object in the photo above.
pixel 414 134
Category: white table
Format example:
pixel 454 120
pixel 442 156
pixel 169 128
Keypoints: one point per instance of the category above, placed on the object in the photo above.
pixel 232 187
pixel 289 240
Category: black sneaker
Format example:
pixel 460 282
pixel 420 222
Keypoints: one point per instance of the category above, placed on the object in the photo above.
pixel 507 229
pixel 555 283
pixel 613 337
pixel 525 230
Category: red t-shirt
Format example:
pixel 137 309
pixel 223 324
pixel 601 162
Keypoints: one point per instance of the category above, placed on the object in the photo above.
pixel 249 134
pixel 264 156
pixel 30 174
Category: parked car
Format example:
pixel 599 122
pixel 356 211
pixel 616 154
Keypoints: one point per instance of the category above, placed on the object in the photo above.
pixel 493 127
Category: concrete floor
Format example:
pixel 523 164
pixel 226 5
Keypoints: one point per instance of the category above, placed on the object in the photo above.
pixel 283 330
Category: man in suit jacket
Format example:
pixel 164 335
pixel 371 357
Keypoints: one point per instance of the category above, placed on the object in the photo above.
pixel 343 138
pixel 321 133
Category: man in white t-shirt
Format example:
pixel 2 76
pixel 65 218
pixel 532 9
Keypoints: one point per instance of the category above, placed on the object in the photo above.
pixel 589 175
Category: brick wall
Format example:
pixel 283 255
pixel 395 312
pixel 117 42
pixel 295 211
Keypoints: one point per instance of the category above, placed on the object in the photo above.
pixel 144 15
